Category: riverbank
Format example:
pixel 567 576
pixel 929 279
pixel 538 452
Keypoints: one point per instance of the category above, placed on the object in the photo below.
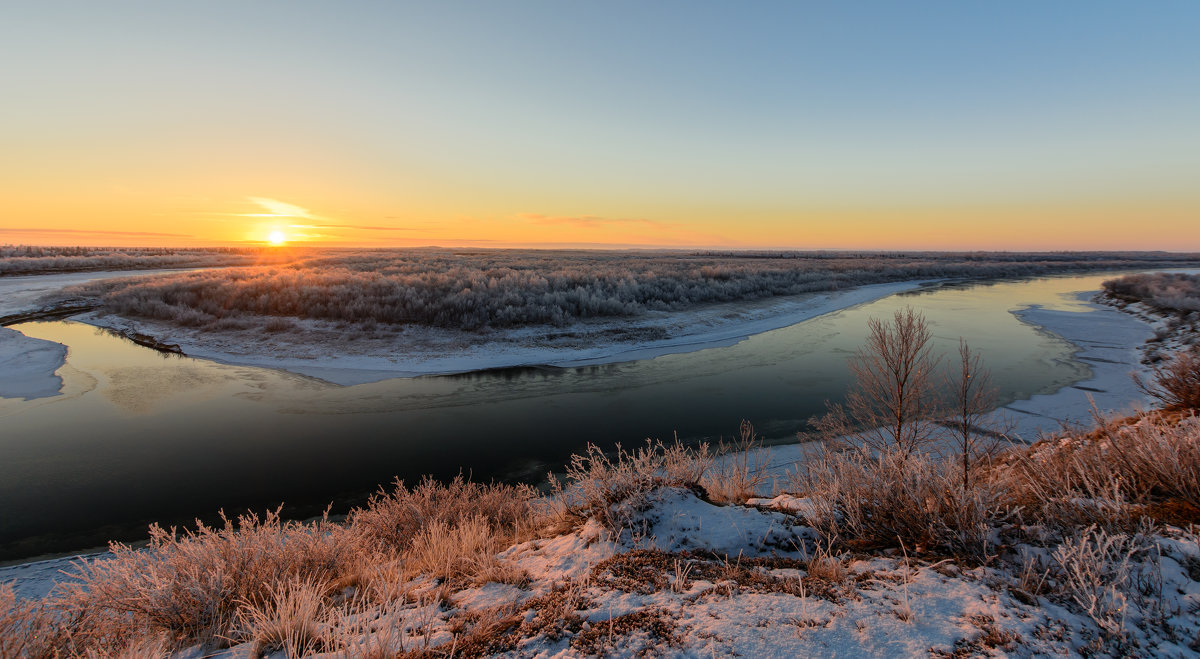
pixel 326 351
pixel 658 553
pixel 28 366
pixel 1108 340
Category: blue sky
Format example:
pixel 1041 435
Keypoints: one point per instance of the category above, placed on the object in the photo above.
pixel 730 123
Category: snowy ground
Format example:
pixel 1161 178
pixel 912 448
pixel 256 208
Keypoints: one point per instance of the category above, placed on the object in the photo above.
pixel 692 579
pixel 28 366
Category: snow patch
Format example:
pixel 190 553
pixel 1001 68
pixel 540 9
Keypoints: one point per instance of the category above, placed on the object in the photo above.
pixel 28 366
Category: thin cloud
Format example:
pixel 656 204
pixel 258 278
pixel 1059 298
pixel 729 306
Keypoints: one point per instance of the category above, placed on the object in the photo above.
pixel 276 208
pixel 98 232
pixel 590 221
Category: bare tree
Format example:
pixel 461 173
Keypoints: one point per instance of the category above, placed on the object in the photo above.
pixel 972 397
pixel 893 401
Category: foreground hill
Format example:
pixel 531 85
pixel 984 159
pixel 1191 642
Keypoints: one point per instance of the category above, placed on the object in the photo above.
pixel 1083 544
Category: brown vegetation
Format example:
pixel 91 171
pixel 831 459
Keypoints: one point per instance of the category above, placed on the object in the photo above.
pixel 1176 385
pixel 1085 508
pixel 1167 291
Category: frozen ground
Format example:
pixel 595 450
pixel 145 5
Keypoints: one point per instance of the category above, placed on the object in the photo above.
pixel 701 580
pixel 28 366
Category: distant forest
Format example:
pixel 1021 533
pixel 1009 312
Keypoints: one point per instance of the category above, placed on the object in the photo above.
pixel 508 288
pixel 34 260
pixel 1166 291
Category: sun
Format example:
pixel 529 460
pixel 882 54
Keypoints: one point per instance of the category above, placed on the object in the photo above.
pixel 276 238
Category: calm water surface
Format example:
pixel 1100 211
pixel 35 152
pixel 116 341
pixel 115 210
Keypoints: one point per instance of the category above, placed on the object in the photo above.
pixel 137 436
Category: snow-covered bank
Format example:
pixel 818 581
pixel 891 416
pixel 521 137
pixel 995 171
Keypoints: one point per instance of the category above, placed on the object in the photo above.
pixel 24 293
pixel 324 350
pixel 1107 341
pixel 28 366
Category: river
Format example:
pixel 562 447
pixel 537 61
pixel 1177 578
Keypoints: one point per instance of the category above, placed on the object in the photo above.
pixel 138 436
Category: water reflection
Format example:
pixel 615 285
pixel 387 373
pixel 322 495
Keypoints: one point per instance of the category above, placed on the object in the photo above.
pixel 141 436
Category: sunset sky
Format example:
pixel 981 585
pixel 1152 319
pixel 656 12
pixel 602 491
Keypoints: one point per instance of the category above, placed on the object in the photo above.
pixel 930 125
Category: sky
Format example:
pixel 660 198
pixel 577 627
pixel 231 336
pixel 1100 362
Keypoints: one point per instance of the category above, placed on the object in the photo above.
pixel 789 125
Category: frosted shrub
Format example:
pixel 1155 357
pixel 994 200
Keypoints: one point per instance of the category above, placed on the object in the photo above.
pixel 511 288
pixel 1160 459
pixel 897 497
pixel 1176 385
pixel 1100 573
pixel 1168 291
pixel 28 259
pixel 594 481
pixel 393 519
pixel 738 468
pixel 192 586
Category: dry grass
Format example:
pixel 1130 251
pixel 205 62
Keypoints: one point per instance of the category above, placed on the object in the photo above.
pixel 1176 385
pixel 738 469
pixel 463 551
pixel 640 633
pixel 1110 477
pixel 382 584
pixel 291 620
pixel 191 586
pixel 895 496
pixel 393 519
pixel 30 629
pixel 594 481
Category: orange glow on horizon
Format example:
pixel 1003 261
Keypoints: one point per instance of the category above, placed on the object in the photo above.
pixel 327 220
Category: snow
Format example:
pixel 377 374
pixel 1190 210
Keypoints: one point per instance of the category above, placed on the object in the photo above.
pixel 24 293
pixel 801 506
pixel 886 606
pixel 28 366
pixel 678 520
pixel 570 556
pixel 1107 341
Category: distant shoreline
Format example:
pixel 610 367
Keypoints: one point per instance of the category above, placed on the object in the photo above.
pixel 433 351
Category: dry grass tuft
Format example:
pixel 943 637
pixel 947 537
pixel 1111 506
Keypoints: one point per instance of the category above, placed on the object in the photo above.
pixel 291 620
pixel 464 551
pixel 1177 384
pixel 896 497
pixel 1112 476
pixel 393 519
pixel 739 468
pixel 594 481
pixel 191 586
